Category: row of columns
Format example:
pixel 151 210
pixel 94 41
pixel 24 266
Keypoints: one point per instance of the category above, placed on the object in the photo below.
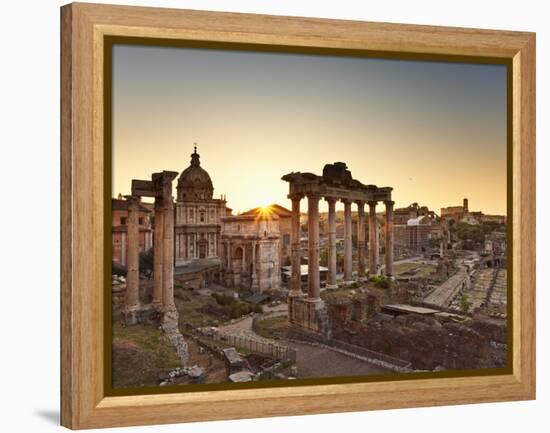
pixel 313 242
pixel 184 241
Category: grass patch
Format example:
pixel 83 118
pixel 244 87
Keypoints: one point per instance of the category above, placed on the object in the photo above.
pixel 140 355
pixel 192 312
pixel 420 270
pixel 272 327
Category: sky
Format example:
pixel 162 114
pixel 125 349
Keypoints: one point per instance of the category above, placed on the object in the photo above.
pixel 434 131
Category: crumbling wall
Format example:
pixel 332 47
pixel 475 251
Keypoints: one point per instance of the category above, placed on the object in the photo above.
pixel 426 342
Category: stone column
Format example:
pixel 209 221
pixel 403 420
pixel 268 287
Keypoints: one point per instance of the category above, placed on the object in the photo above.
pixel 388 233
pixel 244 270
pixel 361 269
pixel 254 275
pixel 158 253
pixel 132 303
pixel 168 256
pixel 229 271
pixel 348 253
pixel 177 248
pixel 314 287
pixel 373 239
pixel 331 283
pixel 295 281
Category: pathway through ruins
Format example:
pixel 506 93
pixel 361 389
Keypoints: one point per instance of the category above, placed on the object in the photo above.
pixel 444 293
pixel 312 361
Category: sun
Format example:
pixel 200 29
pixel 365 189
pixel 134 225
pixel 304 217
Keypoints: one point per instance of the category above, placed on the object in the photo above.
pixel 265 209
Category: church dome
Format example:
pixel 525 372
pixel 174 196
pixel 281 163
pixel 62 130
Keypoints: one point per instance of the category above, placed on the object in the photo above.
pixel 194 183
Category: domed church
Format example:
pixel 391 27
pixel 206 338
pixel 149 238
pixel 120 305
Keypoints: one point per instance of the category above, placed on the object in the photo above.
pixel 198 214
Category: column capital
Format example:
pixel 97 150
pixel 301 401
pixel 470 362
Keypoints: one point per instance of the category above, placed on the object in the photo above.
pixel 346 200
pixel 372 203
pixel 133 200
pixel 295 196
pixel 389 203
pixel 360 203
pixel 313 196
pixel 331 200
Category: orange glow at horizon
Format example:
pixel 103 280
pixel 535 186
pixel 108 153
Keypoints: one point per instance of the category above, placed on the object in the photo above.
pixel 434 131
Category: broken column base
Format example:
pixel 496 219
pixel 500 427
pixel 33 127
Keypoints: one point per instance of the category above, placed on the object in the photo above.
pixel 308 314
pixel 140 314
pixel 331 286
pixel 131 315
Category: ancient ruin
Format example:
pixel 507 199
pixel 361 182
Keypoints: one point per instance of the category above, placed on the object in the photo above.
pixel 335 184
pixel 250 252
pixel 159 188
pixel 224 281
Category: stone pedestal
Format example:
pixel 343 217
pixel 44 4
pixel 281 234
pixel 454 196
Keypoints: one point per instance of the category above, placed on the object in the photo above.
pixel 308 314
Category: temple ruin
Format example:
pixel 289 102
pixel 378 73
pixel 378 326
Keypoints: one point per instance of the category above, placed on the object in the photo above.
pixel 336 184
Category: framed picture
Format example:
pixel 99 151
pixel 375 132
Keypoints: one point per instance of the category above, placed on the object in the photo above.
pixel 267 216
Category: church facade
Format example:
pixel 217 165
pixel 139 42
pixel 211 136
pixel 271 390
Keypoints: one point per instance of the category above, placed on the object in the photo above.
pixel 198 215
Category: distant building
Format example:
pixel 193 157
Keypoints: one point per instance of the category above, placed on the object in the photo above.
pixel 197 229
pixel 463 214
pixel 414 226
pixel 120 230
pixel 498 219
pixel 419 231
pixel 455 212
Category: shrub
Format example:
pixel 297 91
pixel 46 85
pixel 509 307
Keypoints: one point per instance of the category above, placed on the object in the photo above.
pixel 381 281
pixel 234 308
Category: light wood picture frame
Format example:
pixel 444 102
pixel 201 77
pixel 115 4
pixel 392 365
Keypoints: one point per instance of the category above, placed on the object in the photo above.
pixel 84 29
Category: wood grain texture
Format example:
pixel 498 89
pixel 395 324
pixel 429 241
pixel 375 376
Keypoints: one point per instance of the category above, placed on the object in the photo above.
pixel 83 404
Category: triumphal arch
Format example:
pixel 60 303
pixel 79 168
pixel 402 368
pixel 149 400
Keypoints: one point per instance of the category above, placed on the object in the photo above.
pixel 335 184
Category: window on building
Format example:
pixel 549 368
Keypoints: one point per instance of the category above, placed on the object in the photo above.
pixel 141 221
pixel 122 221
pixel 202 217
pixel 286 239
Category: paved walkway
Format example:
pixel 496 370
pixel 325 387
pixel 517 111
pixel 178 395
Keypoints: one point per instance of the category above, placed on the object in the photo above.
pixel 444 294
